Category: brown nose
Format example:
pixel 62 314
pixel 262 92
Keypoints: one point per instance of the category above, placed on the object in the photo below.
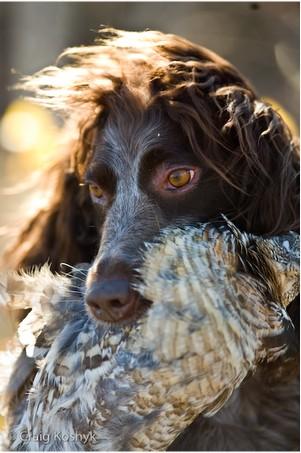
pixel 112 300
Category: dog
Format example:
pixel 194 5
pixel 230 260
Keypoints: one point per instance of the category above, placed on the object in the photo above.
pixel 163 132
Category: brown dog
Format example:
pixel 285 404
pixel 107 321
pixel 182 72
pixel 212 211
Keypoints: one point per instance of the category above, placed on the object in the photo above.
pixel 163 132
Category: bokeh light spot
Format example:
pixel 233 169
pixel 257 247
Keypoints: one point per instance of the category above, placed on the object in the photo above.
pixel 28 128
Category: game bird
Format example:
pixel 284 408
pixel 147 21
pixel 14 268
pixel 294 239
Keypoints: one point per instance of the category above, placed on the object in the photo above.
pixel 215 314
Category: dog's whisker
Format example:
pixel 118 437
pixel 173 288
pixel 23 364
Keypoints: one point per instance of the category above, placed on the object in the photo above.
pixel 74 268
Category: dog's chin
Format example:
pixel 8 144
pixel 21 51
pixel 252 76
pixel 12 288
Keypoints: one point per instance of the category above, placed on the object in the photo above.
pixel 142 307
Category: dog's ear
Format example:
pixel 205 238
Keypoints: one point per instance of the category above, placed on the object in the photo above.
pixel 63 232
pixel 264 163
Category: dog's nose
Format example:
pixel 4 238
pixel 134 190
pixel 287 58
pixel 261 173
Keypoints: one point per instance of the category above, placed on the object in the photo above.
pixel 112 300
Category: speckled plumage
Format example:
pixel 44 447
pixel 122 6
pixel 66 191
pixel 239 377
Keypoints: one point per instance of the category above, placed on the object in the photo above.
pixel 219 299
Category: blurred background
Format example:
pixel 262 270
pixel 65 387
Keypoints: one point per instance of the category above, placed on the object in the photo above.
pixel 261 39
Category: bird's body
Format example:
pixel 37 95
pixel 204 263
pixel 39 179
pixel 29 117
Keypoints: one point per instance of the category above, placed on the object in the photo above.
pixel 218 312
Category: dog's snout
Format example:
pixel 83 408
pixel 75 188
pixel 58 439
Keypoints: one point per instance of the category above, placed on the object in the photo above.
pixel 112 300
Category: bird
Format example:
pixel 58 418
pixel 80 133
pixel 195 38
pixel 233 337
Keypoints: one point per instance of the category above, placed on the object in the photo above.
pixel 218 310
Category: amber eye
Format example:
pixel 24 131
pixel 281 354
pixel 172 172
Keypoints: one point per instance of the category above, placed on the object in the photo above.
pixel 95 190
pixel 180 178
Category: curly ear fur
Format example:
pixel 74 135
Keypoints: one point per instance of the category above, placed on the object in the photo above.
pixel 248 144
pixel 263 163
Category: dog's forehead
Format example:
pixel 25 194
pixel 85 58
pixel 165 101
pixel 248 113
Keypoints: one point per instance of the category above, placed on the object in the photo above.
pixel 127 137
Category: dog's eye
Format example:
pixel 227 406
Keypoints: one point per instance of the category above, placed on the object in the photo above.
pixel 95 190
pixel 180 177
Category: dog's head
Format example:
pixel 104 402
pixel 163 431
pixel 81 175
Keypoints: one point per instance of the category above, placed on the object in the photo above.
pixel 169 134
pixel 143 175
